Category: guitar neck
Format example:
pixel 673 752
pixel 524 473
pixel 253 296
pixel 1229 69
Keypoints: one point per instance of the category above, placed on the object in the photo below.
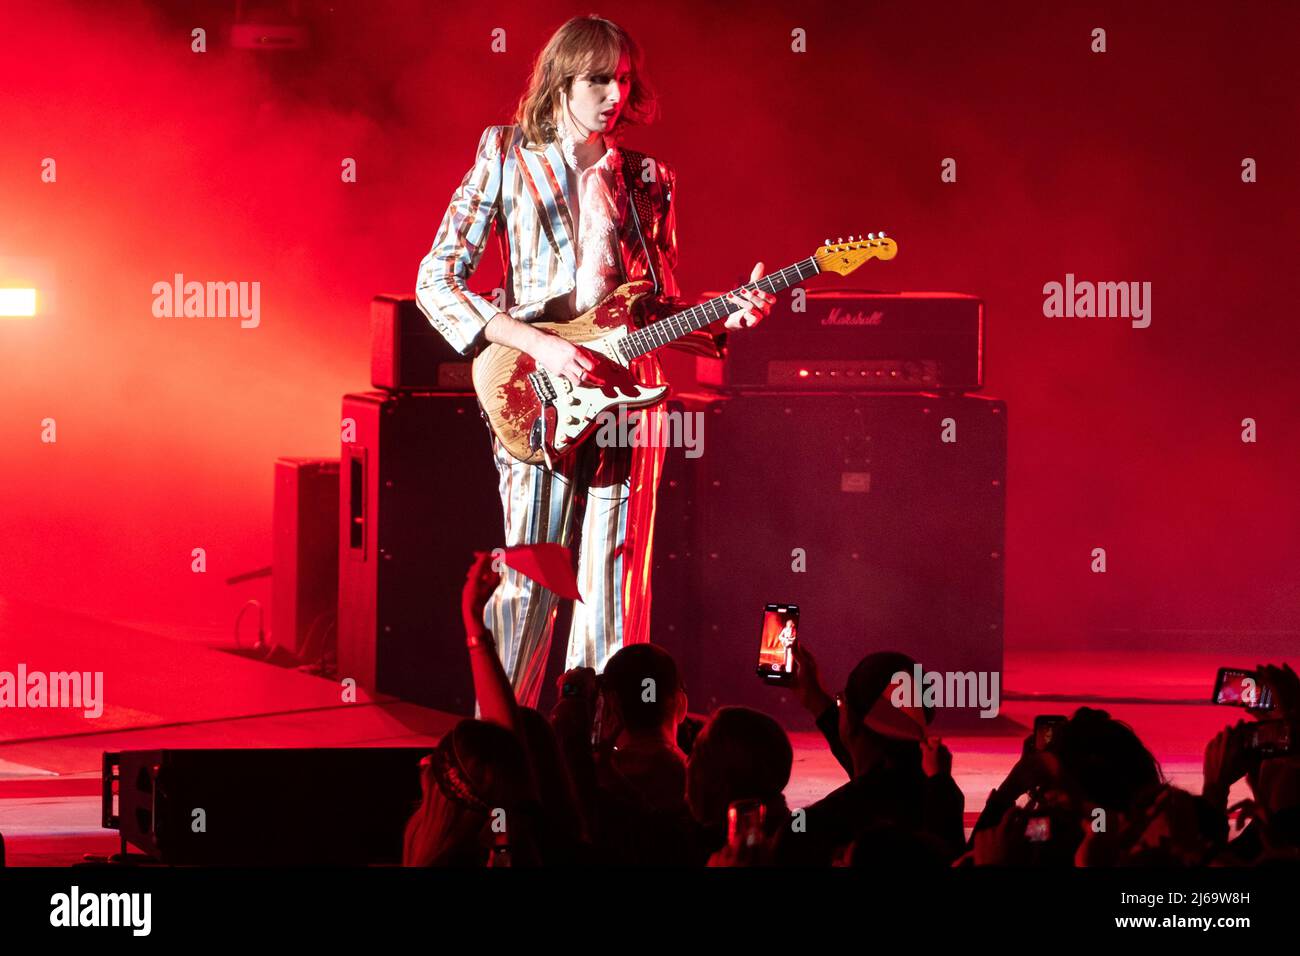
pixel 671 328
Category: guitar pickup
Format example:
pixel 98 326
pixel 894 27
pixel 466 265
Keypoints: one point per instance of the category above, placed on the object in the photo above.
pixel 543 387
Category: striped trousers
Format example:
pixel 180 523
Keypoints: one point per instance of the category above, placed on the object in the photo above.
pixel 605 496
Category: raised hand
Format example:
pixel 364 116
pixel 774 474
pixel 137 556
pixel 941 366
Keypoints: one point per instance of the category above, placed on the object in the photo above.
pixel 480 582
pixel 936 759
pixel 1225 763
pixel 1286 690
pixel 806 682
pixel 1003 844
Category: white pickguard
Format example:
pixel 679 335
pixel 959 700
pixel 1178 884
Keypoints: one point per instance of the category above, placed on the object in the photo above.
pixel 578 407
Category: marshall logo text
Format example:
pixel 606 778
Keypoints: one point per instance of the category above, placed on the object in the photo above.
pixel 838 316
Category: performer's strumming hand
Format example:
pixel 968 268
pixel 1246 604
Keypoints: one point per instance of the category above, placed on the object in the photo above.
pixel 557 355
pixel 561 357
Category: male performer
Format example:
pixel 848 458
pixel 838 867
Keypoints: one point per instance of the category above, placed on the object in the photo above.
pixel 554 184
pixel 786 638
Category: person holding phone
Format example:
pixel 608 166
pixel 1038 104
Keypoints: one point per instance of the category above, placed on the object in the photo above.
pixel 895 781
pixel 1234 753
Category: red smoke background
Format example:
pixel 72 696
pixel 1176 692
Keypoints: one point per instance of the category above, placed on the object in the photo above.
pixel 225 166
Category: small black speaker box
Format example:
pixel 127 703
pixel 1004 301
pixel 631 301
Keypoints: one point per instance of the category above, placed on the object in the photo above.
pixel 407 353
pixel 305 554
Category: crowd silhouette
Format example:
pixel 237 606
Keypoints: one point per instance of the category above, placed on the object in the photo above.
pixel 619 773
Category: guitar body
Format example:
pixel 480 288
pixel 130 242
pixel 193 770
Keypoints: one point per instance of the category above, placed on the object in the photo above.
pixel 539 417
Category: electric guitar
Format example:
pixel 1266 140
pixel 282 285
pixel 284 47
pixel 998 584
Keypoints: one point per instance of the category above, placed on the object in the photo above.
pixel 540 417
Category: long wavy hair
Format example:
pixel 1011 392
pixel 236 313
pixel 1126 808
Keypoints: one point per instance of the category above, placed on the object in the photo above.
pixel 583 45
pixel 453 829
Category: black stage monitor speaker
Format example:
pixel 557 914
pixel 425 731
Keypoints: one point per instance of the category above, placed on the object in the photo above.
pixel 418 495
pixel 305 554
pixel 264 807
pixel 852 506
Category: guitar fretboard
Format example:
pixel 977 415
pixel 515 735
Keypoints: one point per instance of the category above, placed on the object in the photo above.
pixel 670 328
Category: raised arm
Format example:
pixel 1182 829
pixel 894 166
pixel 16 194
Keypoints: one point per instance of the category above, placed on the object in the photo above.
pixel 492 690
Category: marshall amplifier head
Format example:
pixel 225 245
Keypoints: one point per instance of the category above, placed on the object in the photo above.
pixel 863 340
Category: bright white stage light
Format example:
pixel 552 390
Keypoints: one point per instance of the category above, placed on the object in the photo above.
pixel 17 302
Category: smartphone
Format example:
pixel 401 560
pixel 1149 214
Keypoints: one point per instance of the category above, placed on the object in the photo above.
pixel 745 822
pixel 1268 738
pixel 1045 730
pixel 776 643
pixel 1241 688
pixel 1038 829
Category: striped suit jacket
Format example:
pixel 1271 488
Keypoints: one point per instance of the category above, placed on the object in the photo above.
pixel 523 190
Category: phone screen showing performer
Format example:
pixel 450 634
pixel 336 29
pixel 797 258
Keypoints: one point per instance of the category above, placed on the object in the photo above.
pixel 1241 688
pixel 776 645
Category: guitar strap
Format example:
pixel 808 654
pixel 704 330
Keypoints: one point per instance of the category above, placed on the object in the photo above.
pixel 640 206
pixel 507 174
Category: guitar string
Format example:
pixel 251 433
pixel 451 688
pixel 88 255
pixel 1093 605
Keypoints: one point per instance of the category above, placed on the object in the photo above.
pixel 683 322
pixel 675 326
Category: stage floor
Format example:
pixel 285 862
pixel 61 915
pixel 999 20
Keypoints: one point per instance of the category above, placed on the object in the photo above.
pixel 172 690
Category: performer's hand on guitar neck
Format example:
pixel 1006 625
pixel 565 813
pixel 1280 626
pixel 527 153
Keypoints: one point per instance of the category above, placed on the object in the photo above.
pixel 557 355
pixel 755 304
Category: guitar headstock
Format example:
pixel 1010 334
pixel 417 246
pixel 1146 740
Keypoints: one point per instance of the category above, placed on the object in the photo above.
pixel 843 257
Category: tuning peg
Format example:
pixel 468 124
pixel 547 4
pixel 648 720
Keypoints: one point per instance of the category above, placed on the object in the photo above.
pixel 839 240
pixel 871 236
pixel 826 243
pixel 882 235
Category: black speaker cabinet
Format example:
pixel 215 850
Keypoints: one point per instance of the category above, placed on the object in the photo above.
pixel 852 506
pixel 678 600
pixel 263 807
pixel 418 495
pixel 305 554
